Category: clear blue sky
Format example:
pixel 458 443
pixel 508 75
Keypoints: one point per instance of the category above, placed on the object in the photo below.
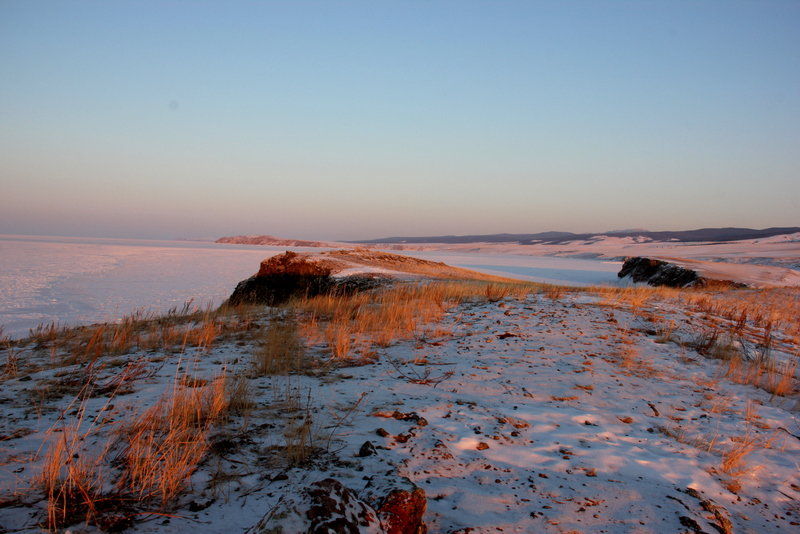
pixel 339 120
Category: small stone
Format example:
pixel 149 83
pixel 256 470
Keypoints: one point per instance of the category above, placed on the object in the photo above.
pixel 382 433
pixel 482 446
pixel 367 449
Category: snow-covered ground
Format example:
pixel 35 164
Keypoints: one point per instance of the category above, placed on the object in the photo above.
pixel 74 281
pixel 549 413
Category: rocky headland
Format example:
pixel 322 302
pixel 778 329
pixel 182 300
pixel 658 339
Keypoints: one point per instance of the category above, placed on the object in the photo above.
pixel 290 274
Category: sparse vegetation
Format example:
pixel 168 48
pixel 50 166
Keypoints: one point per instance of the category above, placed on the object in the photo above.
pixel 105 461
pixel 281 349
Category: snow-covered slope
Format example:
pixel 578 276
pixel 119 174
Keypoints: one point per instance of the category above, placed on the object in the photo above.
pixel 548 413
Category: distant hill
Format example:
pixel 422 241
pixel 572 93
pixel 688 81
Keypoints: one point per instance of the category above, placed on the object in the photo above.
pixel 713 235
pixel 491 238
pixel 270 240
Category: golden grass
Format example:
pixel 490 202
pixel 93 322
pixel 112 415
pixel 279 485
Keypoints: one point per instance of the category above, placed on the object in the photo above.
pixel 165 444
pixel 151 456
pixel 299 439
pixel 733 460
pixel 350 324
pixel 72 477
pixel 174 331
pixel 777 378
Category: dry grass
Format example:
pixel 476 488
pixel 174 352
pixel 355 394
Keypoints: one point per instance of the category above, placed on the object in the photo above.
pixel 175 331
pixel 240 394
pixel 634 298
pixel 163 446
pixel 92 473
pixel 281 350
pixel 351 324
pixel 11 367
pixel 554 293
pixel 665 331
pixel 739 327
pixel 299 438
pixel 768 316
pixel 72 476
pixel 733 460
pixel 777 378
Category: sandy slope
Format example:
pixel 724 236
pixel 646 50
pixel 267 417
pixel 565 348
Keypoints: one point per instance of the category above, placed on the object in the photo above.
pixel 543 415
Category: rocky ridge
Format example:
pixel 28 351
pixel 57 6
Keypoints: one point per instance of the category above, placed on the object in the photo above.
pixel 661 273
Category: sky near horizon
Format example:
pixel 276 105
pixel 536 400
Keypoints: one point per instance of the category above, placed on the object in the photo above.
pixel 366 119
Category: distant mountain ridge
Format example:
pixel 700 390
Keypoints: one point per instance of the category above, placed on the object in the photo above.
pixel 713 235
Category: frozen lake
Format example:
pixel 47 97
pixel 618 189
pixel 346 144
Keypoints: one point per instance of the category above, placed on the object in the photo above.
pixel 87 280
pixel 547 269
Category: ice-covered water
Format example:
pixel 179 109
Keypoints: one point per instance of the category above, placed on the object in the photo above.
pixel 79 281
pixel 546 269
pixel 73 281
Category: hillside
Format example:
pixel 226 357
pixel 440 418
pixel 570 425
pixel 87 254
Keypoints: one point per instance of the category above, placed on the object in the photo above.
pixel 484 406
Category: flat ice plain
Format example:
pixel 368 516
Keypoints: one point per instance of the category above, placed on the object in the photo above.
pixel 73 281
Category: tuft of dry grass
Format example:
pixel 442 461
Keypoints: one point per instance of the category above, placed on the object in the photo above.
pixel 11 367
pixel 72 477
pixel 163 447
pixel 299 438
pixel 281 350
pixel 340 338
pixel 666 331
pixel 554 293
pixel 734 459
pixel 240 396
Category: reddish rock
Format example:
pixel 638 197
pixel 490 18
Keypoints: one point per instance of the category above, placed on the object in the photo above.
pixel 400 504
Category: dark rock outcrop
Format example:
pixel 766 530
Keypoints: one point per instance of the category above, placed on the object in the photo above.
pixel 658 273
pixel 290 274
pixel 662 273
